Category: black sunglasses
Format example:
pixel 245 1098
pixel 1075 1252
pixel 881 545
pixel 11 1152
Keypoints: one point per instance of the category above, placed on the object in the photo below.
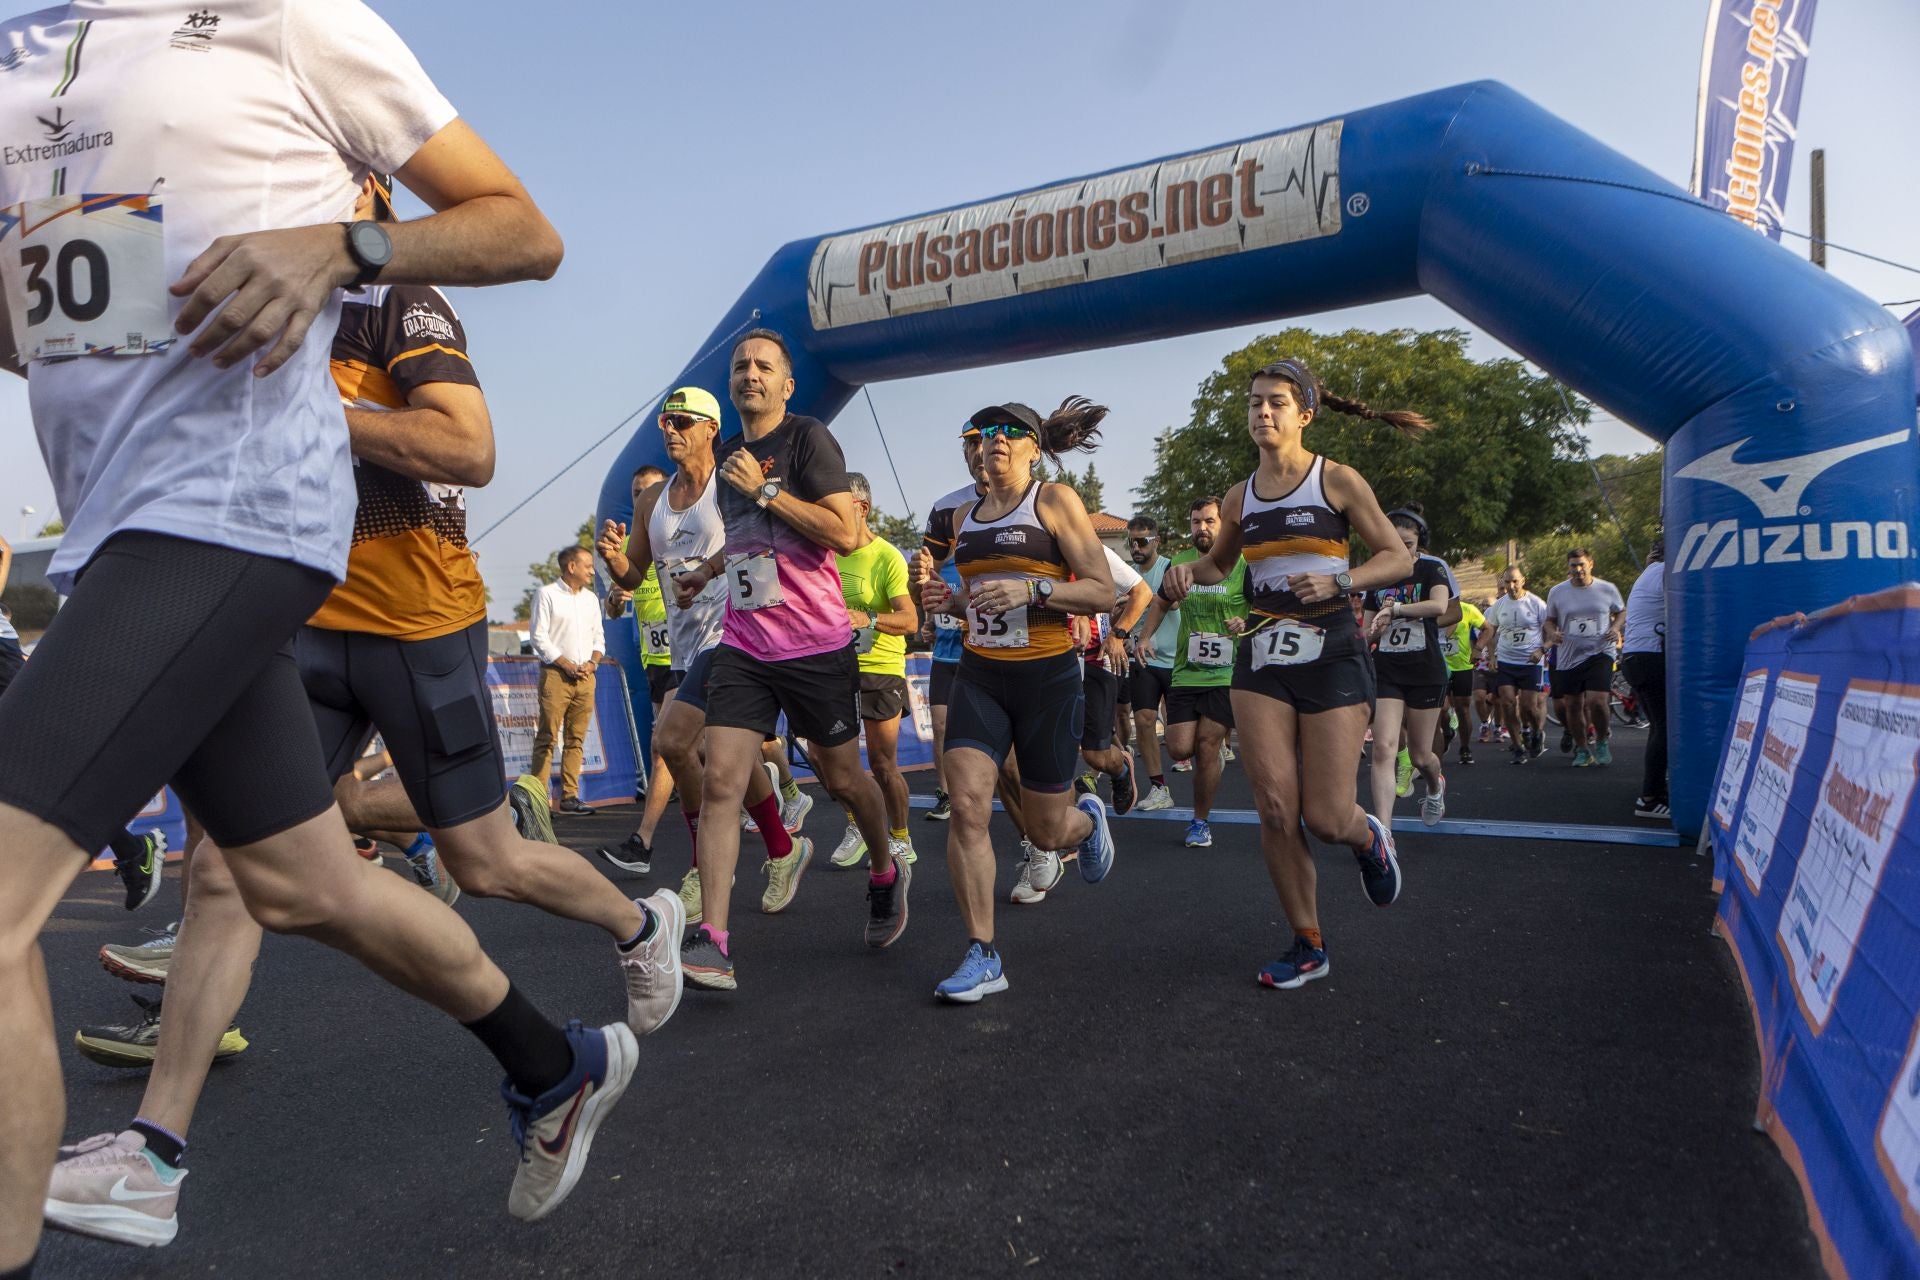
pixel 679 421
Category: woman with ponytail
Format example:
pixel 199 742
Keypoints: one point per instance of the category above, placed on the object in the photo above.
pixel 1302 684
pixel 1028 559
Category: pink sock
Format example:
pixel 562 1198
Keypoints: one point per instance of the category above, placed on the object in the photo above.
pixel 766 816
pixel 887 877
pixel 719 937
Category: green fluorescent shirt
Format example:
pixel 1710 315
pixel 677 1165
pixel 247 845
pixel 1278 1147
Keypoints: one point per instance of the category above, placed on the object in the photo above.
pixel 1457 645
pixel 870 579
pixel 650 617
pixel 1205 612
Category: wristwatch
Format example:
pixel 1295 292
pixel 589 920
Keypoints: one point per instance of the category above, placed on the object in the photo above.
pixel 1122 633
pixel 1343 581
pixel 768 492
pixel 1043 591
pixel 369 245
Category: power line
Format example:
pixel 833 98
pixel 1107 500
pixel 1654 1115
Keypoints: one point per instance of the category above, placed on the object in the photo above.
pixel 868 393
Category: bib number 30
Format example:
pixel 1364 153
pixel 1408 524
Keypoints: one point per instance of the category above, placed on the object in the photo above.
pixel 1286 644
pixel 86 275
pixel 753 582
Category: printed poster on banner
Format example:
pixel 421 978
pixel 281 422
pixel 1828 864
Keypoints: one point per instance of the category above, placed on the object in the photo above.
pixel 1783 741
pixel 1733 770
pixel 516 707
pixel 1863 801
pixel 1896 1143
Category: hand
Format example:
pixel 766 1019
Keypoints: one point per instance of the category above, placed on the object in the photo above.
pixel 1142 649
pixel 258 287
pixel 999 595
pixel 743 473
pixel 1236 626
pixel 613 535
pixel 936 596
pixel 866 619
pixel 1539 656
pixel 587 668
pixel 1312 588
pixel 568 668
pixel 1116 655
pixel 1379 623
pixel 689 584
pixel 926 631
pixel 922 567
pixel 617 599
pixel 1176 582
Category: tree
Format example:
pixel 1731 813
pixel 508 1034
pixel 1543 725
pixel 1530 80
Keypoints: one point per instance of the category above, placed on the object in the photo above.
pixel 899 530
pixel 1632 484
pixel 1092 492
pixel 549 571
pixel 1504 462
pixel 52 528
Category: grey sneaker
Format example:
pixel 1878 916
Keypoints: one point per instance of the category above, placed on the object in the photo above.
pixel 555 1131
pixel 793 813
pixel 112 1187
pixel 135 1044
pixel 1433 804
pixel 887 907
pixel 783 876
pixel 1040 873
pixel 1157 798
pixel 706 965
pixel 652 969
pixel 433 877
pixel 852 850
pixel 145 962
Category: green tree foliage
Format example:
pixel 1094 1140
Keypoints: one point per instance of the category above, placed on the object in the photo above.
pixel 549 571
pixel 1504 462
pixel 52 528
pixel 1092 491
pixel 1632 484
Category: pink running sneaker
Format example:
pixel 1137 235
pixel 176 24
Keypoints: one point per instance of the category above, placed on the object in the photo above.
pixel 112 1187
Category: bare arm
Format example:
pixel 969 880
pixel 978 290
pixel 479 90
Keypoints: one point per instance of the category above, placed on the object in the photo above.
pixel 6 563
pixel 830 522
pixel 1065 515
pixel 628 568
pixel 1434 606
pixel 901 619
pixel 445 436
pixel 1390 562
pixel 1213 568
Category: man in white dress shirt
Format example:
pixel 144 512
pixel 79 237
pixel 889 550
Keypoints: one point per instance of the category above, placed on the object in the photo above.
pixel 569 641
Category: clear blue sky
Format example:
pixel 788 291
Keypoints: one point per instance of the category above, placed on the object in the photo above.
pixel 677 146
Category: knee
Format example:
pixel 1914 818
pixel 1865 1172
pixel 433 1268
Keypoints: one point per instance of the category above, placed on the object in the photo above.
pixel 485 875
pixel 291 904
pixel 1326 823
pixel 972 810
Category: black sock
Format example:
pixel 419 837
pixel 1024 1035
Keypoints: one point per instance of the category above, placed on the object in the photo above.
pixel 649 925
pixel 534 1052
pixel 22 1272
pixel 168 1146
pixel 986 948
pixel 128 848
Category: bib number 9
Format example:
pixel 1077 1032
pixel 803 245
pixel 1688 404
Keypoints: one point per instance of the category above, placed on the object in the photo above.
pixel 1286 644
pixel 1586 626
pixel 1204 650
pixel 997 630
pixel 753 582
pixel 1404 637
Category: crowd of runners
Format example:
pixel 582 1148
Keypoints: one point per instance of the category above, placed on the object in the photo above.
pixel 321 591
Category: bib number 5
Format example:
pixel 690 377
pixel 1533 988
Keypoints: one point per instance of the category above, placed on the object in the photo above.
pixel 753 582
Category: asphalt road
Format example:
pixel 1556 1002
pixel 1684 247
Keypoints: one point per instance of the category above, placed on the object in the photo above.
pixel 1537 1063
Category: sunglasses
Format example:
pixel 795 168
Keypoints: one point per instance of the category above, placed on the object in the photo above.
pixel 679 421
pixel 1146 541
pixel 1012 431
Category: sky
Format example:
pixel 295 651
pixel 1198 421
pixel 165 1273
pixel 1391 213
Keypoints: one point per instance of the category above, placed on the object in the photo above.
pixel 676 147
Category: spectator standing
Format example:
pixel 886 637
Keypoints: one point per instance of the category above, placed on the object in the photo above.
pixel 1644 664
pixel 569 640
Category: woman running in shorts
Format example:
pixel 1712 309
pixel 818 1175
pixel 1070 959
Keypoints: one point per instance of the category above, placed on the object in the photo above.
pixel 1410 673
pixel 1302 685
pixel 1028 558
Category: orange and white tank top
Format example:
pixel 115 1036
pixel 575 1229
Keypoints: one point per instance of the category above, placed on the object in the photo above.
pixel 1018 546
pixel 1298 532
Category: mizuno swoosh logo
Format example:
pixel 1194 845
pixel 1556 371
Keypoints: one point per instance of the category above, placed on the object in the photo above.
pixel 118 1191
pixel 1775 487
pixel 559 1141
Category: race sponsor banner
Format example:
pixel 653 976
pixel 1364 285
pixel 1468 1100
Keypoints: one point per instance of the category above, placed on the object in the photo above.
pixel 1752 69
pixel 1821 906
pixel 610 762
pixel 915 749
pixel 1251 195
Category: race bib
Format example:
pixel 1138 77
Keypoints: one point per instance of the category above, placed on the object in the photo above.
pixel 1286 644
pixel 863 638
pixel 1404 636
pixel 654 637
pixel 1205 650
pixel 86 275
pixel 997 630
pixel 1518 637
pixel 753 581
pixel 947 622
pixel 715 588
pixel 1450 644
pixel 1584 625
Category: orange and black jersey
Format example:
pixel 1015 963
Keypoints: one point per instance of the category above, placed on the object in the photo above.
pixel 1298 532
pixel 1017 545
pixel 937 541
pixel 409 572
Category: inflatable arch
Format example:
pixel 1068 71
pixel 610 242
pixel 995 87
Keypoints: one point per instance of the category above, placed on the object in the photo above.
pixel 1785 398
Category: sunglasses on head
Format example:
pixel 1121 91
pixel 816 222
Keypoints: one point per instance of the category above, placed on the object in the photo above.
pixel 679 421
pixel 1011 430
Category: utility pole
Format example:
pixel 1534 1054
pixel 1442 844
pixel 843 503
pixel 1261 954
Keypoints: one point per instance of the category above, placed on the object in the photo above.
pixel 1818 176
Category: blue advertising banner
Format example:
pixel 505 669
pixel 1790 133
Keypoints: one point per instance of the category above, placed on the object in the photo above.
pixel 1816 843
pixel 1751 74
pixel 611 763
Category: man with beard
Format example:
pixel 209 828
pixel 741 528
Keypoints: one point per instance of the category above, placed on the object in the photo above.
pixel 1151 674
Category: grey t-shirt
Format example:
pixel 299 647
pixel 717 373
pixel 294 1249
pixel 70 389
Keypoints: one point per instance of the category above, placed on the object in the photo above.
pixel 1585 618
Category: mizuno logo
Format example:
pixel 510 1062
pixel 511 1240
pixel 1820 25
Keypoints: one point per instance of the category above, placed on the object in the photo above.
pixel 1776 487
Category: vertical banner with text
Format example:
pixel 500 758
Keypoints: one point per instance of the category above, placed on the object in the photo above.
pixel 1751 74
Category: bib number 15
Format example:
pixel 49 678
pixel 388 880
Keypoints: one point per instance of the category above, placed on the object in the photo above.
pixel 1286 644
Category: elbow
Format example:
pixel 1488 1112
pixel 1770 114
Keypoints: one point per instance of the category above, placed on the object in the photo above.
pixel 545 250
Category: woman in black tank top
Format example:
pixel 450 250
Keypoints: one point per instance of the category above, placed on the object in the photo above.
pixel 1302 689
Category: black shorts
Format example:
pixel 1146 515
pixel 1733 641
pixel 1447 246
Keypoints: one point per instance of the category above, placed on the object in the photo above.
pixel 692 688
pixel 882 697
pixel 1483 680
pixel 819 694
pixel 11 660
pixel 1595 675
pixel 940 683
pixel 1312 687
pixel 122 698
pixel 1192 702
pixel 428 699
pixel 1150 685
pixel 1460 684
pixel 1036 706
pixel 1527 677
pixel 1102 690
pixel 661 682
pixel 1418 697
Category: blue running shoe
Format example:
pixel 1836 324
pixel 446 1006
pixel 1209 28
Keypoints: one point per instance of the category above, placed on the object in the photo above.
pixel 1301 965
pixel 555 1131
pixel 1096 851
pixel 1199 834
pixel 979 975
pixel 1378 867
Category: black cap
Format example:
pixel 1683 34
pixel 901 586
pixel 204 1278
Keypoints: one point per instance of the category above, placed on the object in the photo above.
pixel 1013 412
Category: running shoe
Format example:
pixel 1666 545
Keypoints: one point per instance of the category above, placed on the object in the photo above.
pixel 532 814
pixel 1125 792
pixel 1521 757
pixel 424 861
pixel 1538 745
pixel 574 805
pixel 1096 851
pixel 146 962
pixel 1226 754
pixel 1466 753
pixel 903 850
pixel 652 969
pixel 690 895
pixel 704 963
pixel 1199 835
pixel 1566 741
pixel 1040 874
pixel 793 813
pixel 142 878
pixel 979 975
pixel 135 1044
pixel 555 1131
pixel 1433 804
pixel 1157 798
pixel 852 851
pixel 1485 729
pixel 1183 766
pixel 887 906
pixel 783 876
pixel 1581 759
pixel 113 1188
pixel 1403 774
pixel 1648 807
pixel 1303 963
pixel 1603 752
pixel 631 855
pixel 1087 784
pixel 1379 868
pixel 942 808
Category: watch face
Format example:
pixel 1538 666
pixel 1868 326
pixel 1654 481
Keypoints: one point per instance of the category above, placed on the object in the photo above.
pixel 371 245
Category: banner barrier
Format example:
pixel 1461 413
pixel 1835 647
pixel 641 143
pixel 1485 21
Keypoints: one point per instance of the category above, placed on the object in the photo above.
pixel 1816 852
pixel 1751 72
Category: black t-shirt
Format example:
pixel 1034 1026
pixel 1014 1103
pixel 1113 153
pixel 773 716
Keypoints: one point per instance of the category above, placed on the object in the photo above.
pixel 1408 651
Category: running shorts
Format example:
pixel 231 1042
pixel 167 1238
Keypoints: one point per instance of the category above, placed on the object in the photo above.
pixel 11 660
pixel 1595 675
pixel 692 688
pixel 940 683
pixel 1102 689
pixel 1310 688
pixel 1150 685
pixel 1036 706
pixel 1460 683
pixel 428 699
pixel 122 698
pixel 1526 677
pixel 661 682
pixel 1483 680
pixel 882 697
pixel 1418 697
pixel 819 694
pixel 1212 701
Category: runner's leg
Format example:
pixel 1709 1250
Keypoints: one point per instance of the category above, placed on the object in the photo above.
pixel 1209 737
pixel 971 779
pixel 1388 716
pixel 883 744
pixel 1268 729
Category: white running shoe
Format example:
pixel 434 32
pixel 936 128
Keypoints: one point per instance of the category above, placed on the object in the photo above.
pixel 793 813
pixel 112 1187
pixel 1157 798
pixel 652 969
pixel 1433 804
pixel 903 850
pixel 1040 874
pixel 852 850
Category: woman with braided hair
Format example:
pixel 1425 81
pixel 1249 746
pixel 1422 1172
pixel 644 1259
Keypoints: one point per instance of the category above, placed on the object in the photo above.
pixel 1302 686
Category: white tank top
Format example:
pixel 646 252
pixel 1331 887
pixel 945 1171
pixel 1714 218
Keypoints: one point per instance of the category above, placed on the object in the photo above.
pixel 681 539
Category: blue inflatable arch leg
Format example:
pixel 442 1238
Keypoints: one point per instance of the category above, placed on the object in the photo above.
pixel 1785 398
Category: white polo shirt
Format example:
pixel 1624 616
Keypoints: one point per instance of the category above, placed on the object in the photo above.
pixel 133 133
pixel 566 624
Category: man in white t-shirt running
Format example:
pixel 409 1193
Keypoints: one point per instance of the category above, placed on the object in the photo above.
pixel 185 409
pixel 1583 621
pixel 1512 643
pixel 1643 660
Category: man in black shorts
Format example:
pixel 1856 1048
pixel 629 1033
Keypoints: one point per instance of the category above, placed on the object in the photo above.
pixel 1150 675
pixel 1584 615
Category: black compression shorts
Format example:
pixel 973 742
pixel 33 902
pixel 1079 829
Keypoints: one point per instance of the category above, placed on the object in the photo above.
pixel 940 683
pixel 1035 706
pixel 1150 685
pixel 1102 690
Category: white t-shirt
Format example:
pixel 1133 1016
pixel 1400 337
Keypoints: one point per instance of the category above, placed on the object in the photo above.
pixel 1585 618
pixel 254 115
pixel 1517 623
pixel 1646 630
